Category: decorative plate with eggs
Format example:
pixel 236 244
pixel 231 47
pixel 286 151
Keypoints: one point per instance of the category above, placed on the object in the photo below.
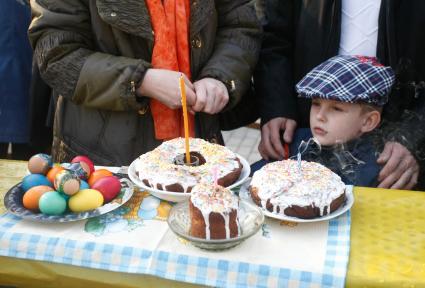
pixel 66 192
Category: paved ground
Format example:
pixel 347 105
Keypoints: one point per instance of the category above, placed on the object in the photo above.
pixel 244 141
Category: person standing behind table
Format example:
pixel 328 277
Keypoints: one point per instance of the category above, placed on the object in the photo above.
pixel 116 66
pixel 15 77
pixel 301 34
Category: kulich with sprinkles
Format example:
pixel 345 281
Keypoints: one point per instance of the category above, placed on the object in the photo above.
pixel 282 188
pixel 213 212
pixel 158 168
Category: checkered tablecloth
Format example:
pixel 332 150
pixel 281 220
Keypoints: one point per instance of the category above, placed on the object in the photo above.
pixel 135 245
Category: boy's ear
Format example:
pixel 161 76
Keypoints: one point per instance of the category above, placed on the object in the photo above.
pixel 371 121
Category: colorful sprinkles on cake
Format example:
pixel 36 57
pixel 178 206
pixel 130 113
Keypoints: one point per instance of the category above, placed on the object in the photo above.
pixel 158 166
pixel 283 186
pixel 210 198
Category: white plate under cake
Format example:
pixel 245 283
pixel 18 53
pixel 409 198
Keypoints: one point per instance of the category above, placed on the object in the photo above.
pixel 281 187
pixel 158 169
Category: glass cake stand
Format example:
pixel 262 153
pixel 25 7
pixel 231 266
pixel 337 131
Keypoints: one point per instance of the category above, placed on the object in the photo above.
pixel 250 220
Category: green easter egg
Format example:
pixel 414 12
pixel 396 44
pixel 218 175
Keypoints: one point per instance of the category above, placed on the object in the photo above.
pixel 52 203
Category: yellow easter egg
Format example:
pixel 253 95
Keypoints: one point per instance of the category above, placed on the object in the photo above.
pixel 85 200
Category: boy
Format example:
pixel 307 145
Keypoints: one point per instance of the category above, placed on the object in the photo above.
pixel 347 94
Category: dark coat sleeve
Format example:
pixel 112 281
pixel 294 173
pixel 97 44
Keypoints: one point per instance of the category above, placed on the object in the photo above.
pixel 63 42
pixel 273 78
pixel 236 47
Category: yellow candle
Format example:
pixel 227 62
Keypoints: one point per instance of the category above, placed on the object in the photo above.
pixel 185 118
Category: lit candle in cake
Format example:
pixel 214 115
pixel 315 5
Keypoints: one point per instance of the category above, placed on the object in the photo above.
pixel 185 118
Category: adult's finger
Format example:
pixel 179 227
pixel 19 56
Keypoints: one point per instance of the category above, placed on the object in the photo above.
pixel 413 181
pixel 268 148
pixel 402 182
pixel 190 97
pixel 224 99
pixel 209 103
pixel 388 181
pixel 218 97
pixel 391 165
pixel 201 97
pixel 275 139
pixel 386 153
pixel 289 126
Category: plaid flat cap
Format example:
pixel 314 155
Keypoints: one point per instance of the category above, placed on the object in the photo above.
pixel 349 79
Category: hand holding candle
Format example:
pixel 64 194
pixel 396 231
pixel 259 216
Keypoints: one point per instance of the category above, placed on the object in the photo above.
pixel 185 118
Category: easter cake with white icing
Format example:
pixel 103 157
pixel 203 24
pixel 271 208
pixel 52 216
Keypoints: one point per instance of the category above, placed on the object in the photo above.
pixel 213 212
pixel 298 189
pixel 158 168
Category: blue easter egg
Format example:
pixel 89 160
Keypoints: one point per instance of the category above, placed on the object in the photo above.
pixel 32 180
pixel 84 185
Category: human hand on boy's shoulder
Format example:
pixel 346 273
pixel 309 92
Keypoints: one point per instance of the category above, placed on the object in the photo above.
pixel 271 145
pixel 400 169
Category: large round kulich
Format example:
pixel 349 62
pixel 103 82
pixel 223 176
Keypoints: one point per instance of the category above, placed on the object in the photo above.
pixel 157 168
pixel 303 190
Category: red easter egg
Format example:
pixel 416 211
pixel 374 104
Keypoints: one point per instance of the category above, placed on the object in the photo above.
pixel 85 162
pixel 109 186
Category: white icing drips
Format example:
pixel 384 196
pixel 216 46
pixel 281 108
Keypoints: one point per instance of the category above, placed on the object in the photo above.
pixel 157 166
pixel 226 224
pixel 209 198
pixel 207 224
pixel 282 184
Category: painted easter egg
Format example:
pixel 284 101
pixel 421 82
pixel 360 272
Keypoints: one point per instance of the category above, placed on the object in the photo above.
pixel 85 200
pixel 53 171
pixel 85 162
pixel 109 186
pixel 32 180
pixel 78 170
pixel 96 175
pixel 32 196
pixel 66 182
pixel 65 165
pixel 52 203
pixel 40 163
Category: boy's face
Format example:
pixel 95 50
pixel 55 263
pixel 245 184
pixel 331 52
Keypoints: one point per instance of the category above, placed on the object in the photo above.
pixel 334 122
